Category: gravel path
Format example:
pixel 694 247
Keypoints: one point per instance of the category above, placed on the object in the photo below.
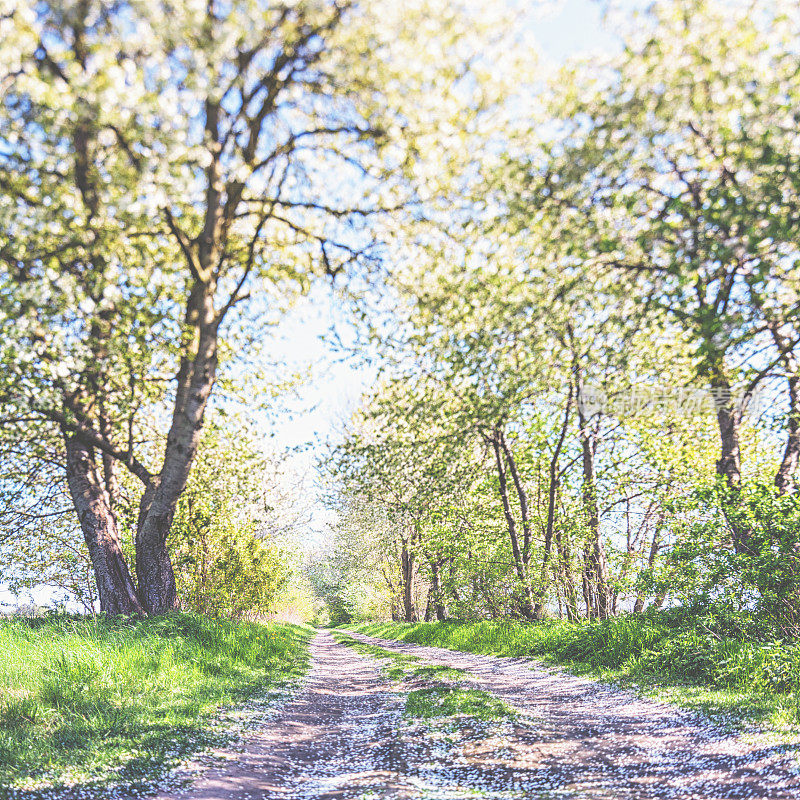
pixel 337 738
pixel 607 743
pixel 342 737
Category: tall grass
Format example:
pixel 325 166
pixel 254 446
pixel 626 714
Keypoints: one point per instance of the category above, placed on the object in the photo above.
pixel 93 702
pixel 742 673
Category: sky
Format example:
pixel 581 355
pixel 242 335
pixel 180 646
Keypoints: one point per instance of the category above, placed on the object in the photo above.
pixel 302 341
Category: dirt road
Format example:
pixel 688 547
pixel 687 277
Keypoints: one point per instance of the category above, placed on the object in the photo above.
pixel 343 736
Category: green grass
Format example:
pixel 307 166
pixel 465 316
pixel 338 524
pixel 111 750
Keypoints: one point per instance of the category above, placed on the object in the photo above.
pixel 674 655
pixel 440 696
pixel 440 672
pixel 454 701
pixel 113 701
pixel 397 661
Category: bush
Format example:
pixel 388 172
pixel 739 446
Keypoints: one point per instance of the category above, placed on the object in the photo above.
pixel 758 581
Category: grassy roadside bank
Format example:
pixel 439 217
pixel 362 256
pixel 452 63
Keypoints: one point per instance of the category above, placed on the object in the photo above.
pixel 111 701
pixel 689 660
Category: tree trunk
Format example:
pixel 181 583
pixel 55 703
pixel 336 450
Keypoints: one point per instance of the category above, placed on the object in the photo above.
pixel 596 593
pixel 453 586
pixel 784 479
pixel 729 464
pixel 195 381
pixel 786 346
pixel 551 513
pixel 526 605
pixel 153 564
pixel 586 579
pixel 115 586
pixel 407 566
pixel 479 587
pixel 522 499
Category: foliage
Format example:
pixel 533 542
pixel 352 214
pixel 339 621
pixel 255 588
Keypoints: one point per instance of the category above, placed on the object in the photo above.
pixel 229 571
pixel 233 527
pixel 97 702
pixel 567 420
pixel 355 575
pixel 577 282
pixel 53 555
pixel 172 178
pixel 764 580
pixel 234 537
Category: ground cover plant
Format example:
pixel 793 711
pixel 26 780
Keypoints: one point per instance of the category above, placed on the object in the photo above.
pixel 727 667
pixel 434 691
pixel 445 700
pixel 96 702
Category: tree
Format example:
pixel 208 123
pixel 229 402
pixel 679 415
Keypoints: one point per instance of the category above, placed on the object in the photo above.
pixel 402 454
pixel 159 166
pixel 572 287
pixel 234 531
pixel 671 154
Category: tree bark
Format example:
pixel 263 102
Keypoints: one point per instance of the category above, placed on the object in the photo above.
pixel 196 376
pixel 655 543
pixel 526 605
pixel 659 599
pixel 522 499
pixel 729 464
pixel 115 586
pixel 595 574
pixel 159 502
pixel 407 566
pixel 153 564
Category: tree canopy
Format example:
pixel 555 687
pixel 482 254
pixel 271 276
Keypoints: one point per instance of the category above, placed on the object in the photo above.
pixel 581 284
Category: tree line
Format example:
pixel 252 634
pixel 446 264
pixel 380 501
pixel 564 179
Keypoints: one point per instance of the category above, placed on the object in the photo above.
pixel 581 281
pixel 592 399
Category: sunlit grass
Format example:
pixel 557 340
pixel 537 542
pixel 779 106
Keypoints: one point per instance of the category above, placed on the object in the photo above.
pixel 454 701
pixel 436 693
pixel 94 702
pixel 397 659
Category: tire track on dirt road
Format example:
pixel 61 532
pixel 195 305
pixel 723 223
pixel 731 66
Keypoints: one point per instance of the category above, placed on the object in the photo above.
pixel 601 741
pixel 342 736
